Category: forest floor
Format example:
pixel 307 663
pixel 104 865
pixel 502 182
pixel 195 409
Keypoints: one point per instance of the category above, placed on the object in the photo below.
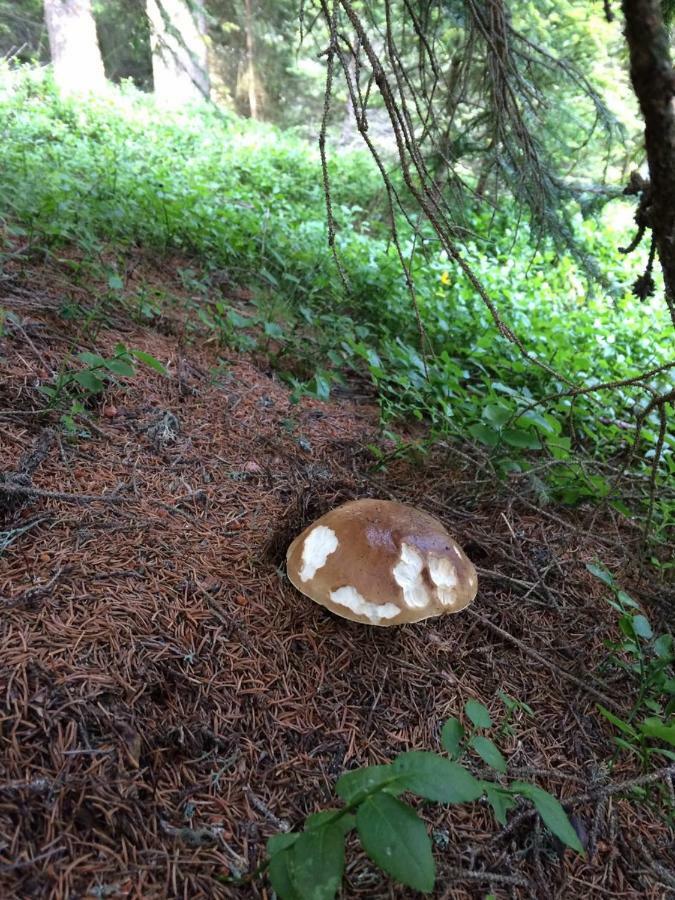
pixel 168 700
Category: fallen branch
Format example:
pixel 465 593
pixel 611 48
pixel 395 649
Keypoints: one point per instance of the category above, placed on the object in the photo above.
pixel 30 596
pixel 12 488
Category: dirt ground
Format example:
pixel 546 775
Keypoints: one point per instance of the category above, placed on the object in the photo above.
pixel 168 700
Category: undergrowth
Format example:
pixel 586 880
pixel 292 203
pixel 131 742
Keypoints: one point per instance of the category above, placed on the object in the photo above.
pixel 245 202
pixel 309 864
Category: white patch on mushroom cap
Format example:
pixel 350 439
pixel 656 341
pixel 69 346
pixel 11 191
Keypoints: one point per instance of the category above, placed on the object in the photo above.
pixel 444 576
pixel 408 575
pixel 348 596
pixel 319 544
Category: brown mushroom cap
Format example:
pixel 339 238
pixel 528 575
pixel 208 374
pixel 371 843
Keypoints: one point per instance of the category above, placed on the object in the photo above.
pixel 381 563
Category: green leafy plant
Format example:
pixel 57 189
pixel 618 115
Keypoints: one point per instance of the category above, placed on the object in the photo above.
pixel 245 200
pixel 649 659
pixel 309 864
pixel 74 387
pixel 228 326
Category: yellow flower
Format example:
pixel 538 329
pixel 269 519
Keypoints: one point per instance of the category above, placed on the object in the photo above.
pixel 445 278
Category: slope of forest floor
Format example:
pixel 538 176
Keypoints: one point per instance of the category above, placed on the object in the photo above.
pixel 169 700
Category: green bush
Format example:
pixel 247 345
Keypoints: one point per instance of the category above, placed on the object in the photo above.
pixel 247 198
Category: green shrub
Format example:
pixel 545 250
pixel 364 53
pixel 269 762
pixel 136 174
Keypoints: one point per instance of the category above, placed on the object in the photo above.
pixel 248 199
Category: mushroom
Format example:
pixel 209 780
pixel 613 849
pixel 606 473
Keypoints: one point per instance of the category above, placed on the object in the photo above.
pixel 381 563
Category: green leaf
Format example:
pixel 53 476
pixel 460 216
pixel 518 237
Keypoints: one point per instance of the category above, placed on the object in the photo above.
pixel 626 626
pixel 89 381
pixel 518 437
pixel 620 724
pixel 237 321
pixel 280 876
pixel 115 283
pixel 321 386
pixel 496 414
pixel 436 778
pixel 642 628
pixel 625 745
pixel 560 447
pixel 278 842
pixel 501 801
pixel 149 360
pixel 271 329
pixel 452 735
pixel 316 863
pixel 654 728
pixel 484 434
pixel 91 360
pixel 478 713
pixel 547 423
pixel 397 841
pixel 663 646
pixel 626 599
pixel 669 754
pixel 120 367
pixel 551 812
pixel 489 752
pixel 206 319
pixel 601 573
pixel 317 820
pixel 353 785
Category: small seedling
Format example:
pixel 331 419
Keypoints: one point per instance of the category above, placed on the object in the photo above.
pixel 74 387
pixel 228 326
pixel 309 864
pixel 649 660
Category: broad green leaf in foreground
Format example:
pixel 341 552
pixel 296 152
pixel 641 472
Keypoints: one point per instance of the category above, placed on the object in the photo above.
pixel 345 823
pixel 397 841
pixel 360 782
pixel 278 842
pixel 280 876
pixel 436 778
pixel 316 863
pixel 551 812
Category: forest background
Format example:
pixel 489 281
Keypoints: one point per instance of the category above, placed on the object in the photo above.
pixel 531 165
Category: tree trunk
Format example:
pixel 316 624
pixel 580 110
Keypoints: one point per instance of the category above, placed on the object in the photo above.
pixel 73 45
pixel 653 80
pixel 179 57
pixel 250 59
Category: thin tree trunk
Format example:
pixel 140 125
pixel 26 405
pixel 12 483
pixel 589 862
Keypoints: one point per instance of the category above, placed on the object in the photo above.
pixel 653 80
pixel 73 44
pixel 179 56
pixel 250 57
